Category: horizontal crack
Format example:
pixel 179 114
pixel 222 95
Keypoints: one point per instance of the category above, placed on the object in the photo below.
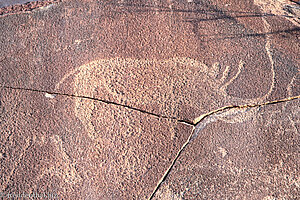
pixel 104 101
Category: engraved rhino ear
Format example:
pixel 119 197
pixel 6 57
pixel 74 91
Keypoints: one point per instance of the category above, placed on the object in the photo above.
pixel 223 84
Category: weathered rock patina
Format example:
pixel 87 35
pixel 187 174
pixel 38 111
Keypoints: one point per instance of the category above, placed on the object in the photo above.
pixel 99 98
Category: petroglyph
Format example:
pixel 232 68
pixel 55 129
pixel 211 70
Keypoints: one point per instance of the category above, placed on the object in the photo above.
pixel 143 82
pixel 65 168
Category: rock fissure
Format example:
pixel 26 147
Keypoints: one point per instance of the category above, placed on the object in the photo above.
pixel 198 123
pixel 194 123
pixel 50 94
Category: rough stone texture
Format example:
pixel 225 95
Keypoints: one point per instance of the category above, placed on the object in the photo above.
pixel 103 153
pixel 71 34
pixel 250 154
pixel 6 3
pixel 9 7
pixel 177 59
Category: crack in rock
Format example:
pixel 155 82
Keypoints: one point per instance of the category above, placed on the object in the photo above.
pixel 231 114
pixel 201 122
pixel 50 94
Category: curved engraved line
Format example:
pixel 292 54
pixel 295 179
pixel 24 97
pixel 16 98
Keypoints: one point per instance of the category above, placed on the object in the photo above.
pixel 241 66
pixel 183 60
pixel 268 47
pixel 100 61
pixel 225 75
pixel 71 73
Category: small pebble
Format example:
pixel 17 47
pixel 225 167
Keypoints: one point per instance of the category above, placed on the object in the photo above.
pixel 51 96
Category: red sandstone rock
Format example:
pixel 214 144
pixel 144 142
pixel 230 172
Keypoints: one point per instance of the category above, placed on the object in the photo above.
pixel 113 83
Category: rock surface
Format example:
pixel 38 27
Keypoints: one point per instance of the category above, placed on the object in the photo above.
pixel 137 99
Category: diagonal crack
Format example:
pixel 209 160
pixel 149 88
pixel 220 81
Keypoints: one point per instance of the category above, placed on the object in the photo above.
pixel 103 101
pixel 197 128
pixel 195 123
